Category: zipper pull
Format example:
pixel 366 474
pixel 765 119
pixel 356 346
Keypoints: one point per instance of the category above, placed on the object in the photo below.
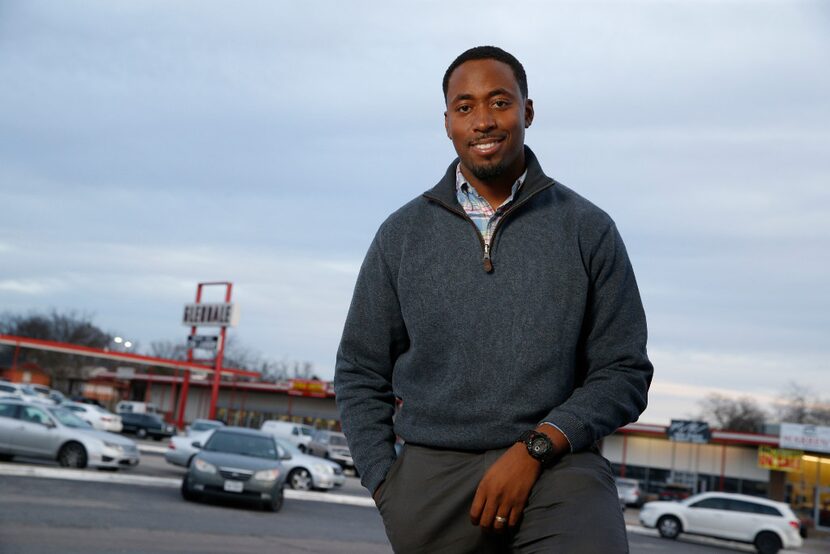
pixel 488 263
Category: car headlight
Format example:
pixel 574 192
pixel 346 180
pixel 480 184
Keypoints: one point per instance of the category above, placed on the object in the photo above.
pixel 203 466
pixel 113 445
pixel 267 475
pixel 323 468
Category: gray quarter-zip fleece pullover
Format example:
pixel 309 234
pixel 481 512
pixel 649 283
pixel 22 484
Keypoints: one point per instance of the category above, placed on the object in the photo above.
pixel 480 346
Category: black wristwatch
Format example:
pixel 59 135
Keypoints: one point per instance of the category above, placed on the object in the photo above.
pixel 539 446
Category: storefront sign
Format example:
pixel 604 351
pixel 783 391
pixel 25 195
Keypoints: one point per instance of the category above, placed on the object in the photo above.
pixel 303 387
pixel 210 315
pixel 689 431
pixel 779 459
pixel 205 342
pixel 806 437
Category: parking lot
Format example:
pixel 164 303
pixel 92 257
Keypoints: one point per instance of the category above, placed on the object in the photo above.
pixel 55 510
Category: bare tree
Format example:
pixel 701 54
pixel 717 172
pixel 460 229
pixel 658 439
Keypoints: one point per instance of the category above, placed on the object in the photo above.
pixel 742 414
pixel 168 349
pixel 71 327
pixel 799 405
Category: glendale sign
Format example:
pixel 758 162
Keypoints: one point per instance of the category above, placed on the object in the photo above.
pixel 210 315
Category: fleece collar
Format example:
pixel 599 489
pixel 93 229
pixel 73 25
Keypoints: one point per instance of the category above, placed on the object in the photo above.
pixel 536 180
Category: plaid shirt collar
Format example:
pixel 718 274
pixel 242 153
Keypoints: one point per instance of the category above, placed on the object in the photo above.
pixel 464 188
pixel 478 209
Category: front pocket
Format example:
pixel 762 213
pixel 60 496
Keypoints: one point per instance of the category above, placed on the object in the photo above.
pixel 390 475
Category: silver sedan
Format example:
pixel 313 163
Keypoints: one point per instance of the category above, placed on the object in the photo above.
pixel 55 433
pixel 237 463
pixel 180 450
pixel 306 472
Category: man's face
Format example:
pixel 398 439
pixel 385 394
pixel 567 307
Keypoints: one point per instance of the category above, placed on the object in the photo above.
pixel 486 119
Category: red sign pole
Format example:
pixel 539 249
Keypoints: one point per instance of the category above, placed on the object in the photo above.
pixel 214 395
pixel 186 382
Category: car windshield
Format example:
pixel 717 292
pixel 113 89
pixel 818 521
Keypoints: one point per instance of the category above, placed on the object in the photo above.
pixel 337 440
pixel 307 431
pixel 69 419
pixel 27 391
pixel 100 409
pixel 239 443
pixel 205 425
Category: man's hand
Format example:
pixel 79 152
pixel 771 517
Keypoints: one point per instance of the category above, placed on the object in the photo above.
pixel 505 488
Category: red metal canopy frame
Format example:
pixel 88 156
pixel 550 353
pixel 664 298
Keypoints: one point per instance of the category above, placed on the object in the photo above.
pixel 101 353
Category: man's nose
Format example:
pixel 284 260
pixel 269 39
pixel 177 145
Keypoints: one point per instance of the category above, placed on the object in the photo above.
pixel 484 121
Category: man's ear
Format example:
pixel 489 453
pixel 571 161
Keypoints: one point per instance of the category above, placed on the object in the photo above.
pixel 447 126
pixel 528 112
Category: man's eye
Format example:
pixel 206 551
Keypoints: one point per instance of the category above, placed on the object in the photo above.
pixel 464 108
pixel 501 103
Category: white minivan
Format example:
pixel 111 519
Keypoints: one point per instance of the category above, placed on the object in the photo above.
pixel 297 434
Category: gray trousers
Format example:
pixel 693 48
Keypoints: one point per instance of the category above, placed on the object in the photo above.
pixel 573 508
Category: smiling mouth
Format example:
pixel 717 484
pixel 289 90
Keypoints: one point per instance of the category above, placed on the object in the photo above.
pixel 486 146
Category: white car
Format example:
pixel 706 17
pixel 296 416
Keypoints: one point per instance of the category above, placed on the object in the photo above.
pixel 630 491
pixel 767 524
pixel 297 434
pixel 98 417
pixel 21 391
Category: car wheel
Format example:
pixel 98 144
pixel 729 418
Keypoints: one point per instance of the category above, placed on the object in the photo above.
pixel 187 494
pixel 669 527
pixel 767 542
pixel 300 479
pixel 302 448
pixel 275 504
pixel 141 433
pixel 72 455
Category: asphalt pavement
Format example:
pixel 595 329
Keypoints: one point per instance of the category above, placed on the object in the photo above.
pixel 44 509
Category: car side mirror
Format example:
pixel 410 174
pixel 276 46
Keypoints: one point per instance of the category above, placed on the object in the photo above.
pixel 285 456
pixel 49 424
pixel 196 444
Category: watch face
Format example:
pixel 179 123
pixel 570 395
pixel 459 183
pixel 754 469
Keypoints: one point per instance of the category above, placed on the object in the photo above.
pixel 539 447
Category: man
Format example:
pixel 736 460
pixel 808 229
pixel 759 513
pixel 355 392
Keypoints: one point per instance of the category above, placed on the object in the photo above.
pixel 500 309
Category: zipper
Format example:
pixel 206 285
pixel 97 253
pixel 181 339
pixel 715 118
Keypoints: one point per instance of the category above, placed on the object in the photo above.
pixel 487 249
pixel 488 265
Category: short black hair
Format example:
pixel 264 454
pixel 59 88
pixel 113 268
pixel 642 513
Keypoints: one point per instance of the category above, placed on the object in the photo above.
pixel 489 53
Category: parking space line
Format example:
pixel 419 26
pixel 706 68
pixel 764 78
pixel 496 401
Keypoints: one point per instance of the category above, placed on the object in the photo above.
pixel 17 470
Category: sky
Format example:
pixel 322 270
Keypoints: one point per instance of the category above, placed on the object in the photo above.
pixel 148 146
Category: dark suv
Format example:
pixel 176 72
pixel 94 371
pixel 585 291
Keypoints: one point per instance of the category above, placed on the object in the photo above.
pixel 146 425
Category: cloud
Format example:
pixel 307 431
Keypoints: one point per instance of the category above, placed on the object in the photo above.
pixel 33 287
pixel 145 146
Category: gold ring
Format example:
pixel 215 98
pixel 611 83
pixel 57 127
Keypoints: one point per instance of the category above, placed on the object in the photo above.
pixel 501 519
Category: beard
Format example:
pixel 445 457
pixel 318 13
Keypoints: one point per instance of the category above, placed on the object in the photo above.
pixel 488 172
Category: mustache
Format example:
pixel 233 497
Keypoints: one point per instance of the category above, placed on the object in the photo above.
pixel 486 138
